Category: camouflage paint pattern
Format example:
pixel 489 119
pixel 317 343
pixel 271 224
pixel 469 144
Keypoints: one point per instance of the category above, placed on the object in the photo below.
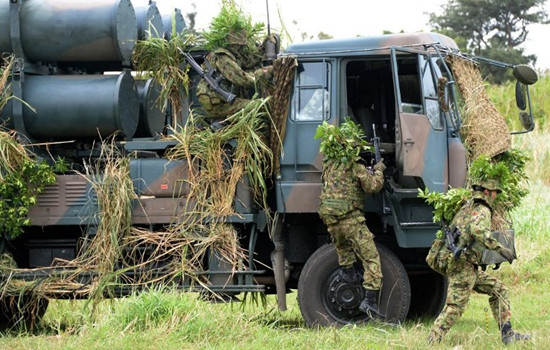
pixel 464 278
pixel 341 209
pixel 474 221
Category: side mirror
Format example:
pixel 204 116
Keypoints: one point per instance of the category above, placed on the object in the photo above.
pixel 525 74
pixel 526 120
pixel 521 98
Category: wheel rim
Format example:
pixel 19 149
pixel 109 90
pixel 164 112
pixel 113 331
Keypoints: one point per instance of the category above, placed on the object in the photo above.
pixel 341 299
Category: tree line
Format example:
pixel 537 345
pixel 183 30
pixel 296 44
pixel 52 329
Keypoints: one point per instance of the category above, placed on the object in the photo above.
pixel 494 29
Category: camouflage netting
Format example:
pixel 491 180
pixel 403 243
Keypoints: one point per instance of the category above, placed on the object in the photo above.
pixel 484 130
pixel 283 76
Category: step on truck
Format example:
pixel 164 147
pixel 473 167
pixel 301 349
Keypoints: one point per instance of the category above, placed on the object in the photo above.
pixel 388 84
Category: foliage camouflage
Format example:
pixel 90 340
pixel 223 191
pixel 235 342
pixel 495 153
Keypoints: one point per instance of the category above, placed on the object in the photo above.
pixel 21 179
pixel 343 144
pixel 508 168
pixel 232 25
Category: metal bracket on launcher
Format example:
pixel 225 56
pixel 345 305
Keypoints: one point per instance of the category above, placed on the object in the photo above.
pixel 18 75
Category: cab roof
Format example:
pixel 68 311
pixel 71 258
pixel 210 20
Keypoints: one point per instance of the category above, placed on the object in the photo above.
pixel 372 45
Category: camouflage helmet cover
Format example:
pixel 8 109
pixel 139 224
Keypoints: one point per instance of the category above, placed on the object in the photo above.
pixel 237 37
pixel 490 184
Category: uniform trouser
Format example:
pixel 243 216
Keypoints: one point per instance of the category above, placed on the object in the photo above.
pixel 463 279
pixel 353 239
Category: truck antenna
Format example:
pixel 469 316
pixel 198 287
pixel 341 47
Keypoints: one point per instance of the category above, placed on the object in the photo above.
pixel 267 10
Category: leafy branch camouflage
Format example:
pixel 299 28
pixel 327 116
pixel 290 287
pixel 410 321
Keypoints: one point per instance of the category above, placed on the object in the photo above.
pixel 342 144
pixel 232 25
pixel 507 168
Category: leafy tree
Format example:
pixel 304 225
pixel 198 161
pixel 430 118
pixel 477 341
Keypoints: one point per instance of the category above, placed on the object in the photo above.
pixel 493 28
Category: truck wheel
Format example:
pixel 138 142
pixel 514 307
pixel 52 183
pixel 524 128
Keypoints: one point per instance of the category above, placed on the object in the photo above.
pixel 429 291
pixel 326 300
pixel 25 311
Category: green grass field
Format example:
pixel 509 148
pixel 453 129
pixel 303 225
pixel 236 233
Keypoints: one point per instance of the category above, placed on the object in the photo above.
pixel 170 320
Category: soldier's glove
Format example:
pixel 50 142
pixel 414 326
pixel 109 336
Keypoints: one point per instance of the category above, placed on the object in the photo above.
pixel 507 254
pixel 380 165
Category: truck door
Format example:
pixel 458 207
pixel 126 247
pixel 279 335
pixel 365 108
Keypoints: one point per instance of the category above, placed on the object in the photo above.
pixel 421 136
pixel 421 147
pixel 299 184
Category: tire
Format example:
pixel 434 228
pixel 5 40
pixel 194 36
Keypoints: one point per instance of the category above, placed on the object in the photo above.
pixel 22 312
pixel 326 300
pixel 428 294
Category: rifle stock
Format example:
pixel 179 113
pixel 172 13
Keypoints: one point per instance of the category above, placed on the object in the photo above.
pixel 209 78
pixel 450 237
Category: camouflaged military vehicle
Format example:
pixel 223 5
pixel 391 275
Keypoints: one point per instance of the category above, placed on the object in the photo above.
pixel 388 84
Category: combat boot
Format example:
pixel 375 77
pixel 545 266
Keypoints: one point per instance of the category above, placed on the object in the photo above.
pixel 348 274
pixel 509 336
pixel 369 305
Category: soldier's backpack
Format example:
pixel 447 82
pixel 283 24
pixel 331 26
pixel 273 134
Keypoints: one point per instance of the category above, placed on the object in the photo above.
pixel 439 256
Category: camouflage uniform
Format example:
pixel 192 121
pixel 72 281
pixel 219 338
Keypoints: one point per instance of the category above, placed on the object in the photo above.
pixel 474 222
pixel 341 209
pixel 235 80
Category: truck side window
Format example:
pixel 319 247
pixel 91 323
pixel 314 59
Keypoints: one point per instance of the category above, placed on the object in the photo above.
pixel 311 97
pixel 410 94
pixel 430 95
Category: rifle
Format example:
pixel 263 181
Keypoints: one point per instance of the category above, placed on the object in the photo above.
pixel 451 236
pixel 213 82
pixel 376 144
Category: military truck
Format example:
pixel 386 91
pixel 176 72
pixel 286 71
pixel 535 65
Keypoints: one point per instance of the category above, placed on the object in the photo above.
pixel 388 84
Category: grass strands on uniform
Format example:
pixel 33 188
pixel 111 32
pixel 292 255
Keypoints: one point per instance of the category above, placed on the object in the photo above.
pixel 483 130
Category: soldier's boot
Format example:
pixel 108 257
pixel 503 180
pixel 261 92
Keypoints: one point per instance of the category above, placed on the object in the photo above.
pixel 369 305
pixel 349 274
pixel 509 336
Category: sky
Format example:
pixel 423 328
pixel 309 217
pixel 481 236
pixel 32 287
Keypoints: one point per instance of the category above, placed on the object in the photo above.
pixel 349 19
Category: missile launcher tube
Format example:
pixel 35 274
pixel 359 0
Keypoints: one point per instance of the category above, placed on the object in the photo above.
pixel 149 21
pixel 77 106
pixel 72 31
pixel 173 21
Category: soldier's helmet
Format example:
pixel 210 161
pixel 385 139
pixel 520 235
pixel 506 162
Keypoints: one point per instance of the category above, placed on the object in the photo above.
pixel 490 184
pixel 237 37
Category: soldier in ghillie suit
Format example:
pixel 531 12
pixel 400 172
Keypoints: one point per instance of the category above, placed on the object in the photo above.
pixel 465 272
pixel 345 182
pixel 236 59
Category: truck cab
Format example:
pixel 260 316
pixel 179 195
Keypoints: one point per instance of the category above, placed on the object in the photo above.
pixel 399 88
pixel 389 86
